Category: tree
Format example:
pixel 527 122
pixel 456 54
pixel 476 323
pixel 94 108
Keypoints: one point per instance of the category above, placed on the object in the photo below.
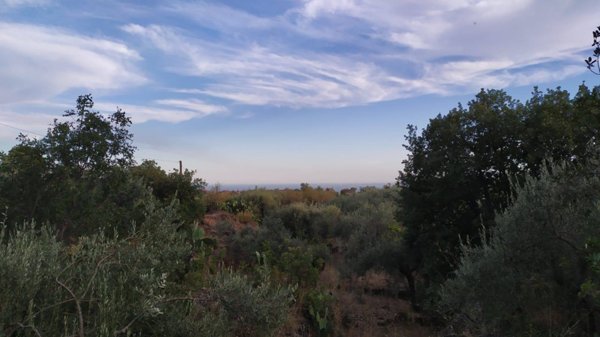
pixel 456 174
pixel 88 142
pixel 130 285
pixel 459 169
pixel 78 172
pixel 593 62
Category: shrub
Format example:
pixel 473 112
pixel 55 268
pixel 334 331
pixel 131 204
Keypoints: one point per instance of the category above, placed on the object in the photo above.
pixel 103 285
pixel 301 266
pixel 534 261
pixel 309 222
pixel 318 309
pixel 238 307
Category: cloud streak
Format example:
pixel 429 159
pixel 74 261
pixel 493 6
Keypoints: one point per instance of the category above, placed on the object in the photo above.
pixel 42 62
pixel 316 54
pixel 166 110
pixel 405 49
pixel 23 3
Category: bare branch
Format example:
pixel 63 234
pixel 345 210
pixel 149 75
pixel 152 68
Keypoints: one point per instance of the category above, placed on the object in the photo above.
pixel 98 265
pixel 33 328
pixel 167 300
pixel 77 305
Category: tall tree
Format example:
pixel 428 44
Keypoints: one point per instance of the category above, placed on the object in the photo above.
pixel 459 169
pixel 88 141
pixel 77 172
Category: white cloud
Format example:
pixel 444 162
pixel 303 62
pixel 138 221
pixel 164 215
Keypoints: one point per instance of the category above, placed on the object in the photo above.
pixel 219 16
pixel 399 49
pixel 315 8
pixel 258 76
pixel 40 62
pixel 403 48
pixel 23 3
pixel 480 33
pixel 198 106
pixel 166 110
pixel 12 123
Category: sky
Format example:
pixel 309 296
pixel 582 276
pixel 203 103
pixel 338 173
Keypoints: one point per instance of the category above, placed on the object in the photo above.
pixel 281 91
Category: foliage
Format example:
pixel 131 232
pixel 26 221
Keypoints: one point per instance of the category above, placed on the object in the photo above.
pixel 100 277
pixel 109 285
pixel 459 169
pixel 165 187
pixel 203 259
pixel 238 307
pixel 76 176
pixel 308 222
pixel 534 261
pixel 89 142
pixel 301 266
pixel 318 307
pixel 377 243
pixel 103 285
pixel 593 62
pixel 351 203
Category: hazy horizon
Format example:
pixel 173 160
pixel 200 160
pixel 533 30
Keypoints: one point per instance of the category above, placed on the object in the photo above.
pixel 336 186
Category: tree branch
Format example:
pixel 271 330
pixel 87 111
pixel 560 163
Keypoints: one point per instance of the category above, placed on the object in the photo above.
pixel 77 305
pixel 33 328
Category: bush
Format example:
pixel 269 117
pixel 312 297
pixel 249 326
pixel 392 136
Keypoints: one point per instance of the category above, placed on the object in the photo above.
pixel 535 261
pixel 309 222
pixel 238 307
pixel 103 285
pixel 318 309
pixel 301 266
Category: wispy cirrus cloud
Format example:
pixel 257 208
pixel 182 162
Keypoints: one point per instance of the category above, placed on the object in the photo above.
pixel 32 119
pixel 166 110
pixel 23 3
pixel 259 76
pixel 42 62
pixel 515 29
pixel 400 49
pixel 317 53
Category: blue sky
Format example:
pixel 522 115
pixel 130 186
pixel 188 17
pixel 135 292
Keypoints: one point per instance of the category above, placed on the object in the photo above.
pixel 281 91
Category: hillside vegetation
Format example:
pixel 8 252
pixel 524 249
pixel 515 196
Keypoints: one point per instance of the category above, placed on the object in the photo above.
pixel 490 230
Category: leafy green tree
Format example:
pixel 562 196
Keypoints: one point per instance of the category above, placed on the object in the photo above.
pixel 456 175
pixel 23 174
pixel 88 142
pixel 106 284
pixel 75 177
pixel 238 306
pixel 377 243
pixel 459 169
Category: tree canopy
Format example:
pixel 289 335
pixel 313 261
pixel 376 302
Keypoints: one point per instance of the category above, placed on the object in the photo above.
pixel 459 170
pixel 81 176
